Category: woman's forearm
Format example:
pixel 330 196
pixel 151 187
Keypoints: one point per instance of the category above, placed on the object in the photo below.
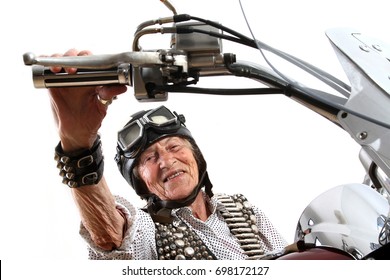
pixel 105 223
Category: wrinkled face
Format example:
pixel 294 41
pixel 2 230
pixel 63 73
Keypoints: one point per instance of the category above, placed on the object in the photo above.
pixel 169 169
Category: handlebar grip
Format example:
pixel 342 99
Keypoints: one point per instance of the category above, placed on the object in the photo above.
pixel 43 77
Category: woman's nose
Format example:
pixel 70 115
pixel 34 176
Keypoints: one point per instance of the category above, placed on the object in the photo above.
pixel 166 160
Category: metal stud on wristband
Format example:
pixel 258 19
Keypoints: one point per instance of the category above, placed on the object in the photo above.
pixel 83 168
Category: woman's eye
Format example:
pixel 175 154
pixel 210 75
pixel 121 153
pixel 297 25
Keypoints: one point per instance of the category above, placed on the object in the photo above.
pixel 149 158
pixel 174 147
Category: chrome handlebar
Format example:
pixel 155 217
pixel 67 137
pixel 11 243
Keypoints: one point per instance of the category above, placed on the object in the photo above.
pixel 191 56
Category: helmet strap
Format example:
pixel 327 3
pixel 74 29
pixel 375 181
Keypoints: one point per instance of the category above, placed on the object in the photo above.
pixel 161 210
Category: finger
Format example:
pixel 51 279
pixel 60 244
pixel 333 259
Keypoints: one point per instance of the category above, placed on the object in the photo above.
pixel 71 52
pixel 56 69
pixel 84 53
pixel 75 52
pixel 109 92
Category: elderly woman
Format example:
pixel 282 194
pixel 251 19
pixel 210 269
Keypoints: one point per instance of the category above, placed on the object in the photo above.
pixel 160 159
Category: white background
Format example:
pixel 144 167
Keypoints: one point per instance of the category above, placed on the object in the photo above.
pixel 278 153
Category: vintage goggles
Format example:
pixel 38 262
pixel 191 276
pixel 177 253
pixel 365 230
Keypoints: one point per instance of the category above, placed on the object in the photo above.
pixel 133 137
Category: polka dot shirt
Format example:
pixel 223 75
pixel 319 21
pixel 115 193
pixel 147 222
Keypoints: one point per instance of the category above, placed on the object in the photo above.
pixel 139 241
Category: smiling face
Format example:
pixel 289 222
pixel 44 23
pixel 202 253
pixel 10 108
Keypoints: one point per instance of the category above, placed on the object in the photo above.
pixel 169 168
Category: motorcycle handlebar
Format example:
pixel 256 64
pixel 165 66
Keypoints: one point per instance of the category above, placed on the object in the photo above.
pixel 91 70
pixel 192 55
pixel 144 70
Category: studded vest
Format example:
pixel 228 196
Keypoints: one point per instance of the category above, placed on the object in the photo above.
pixel 176 241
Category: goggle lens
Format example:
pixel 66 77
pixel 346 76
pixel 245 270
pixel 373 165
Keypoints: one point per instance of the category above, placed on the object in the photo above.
pixel 129 137
pixel 160 117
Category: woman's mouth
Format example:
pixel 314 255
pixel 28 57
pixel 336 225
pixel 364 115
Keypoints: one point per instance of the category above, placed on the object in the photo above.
pixel 172 176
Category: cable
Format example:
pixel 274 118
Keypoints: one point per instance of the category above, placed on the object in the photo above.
pixel 343 88
pixel 319 98
pixel 219 91
pixel 223 28
pixel 190 29
pixel 169 6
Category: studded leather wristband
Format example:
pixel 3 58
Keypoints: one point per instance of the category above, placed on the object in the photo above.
pixel 83 168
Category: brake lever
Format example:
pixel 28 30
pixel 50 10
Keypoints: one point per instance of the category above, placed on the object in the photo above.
pixel 103 61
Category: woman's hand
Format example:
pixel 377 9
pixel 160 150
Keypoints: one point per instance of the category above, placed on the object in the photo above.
pixel 78 111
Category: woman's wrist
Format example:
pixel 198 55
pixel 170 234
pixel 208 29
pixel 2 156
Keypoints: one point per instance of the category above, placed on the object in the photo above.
pixel 72 145
pixel 82 166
